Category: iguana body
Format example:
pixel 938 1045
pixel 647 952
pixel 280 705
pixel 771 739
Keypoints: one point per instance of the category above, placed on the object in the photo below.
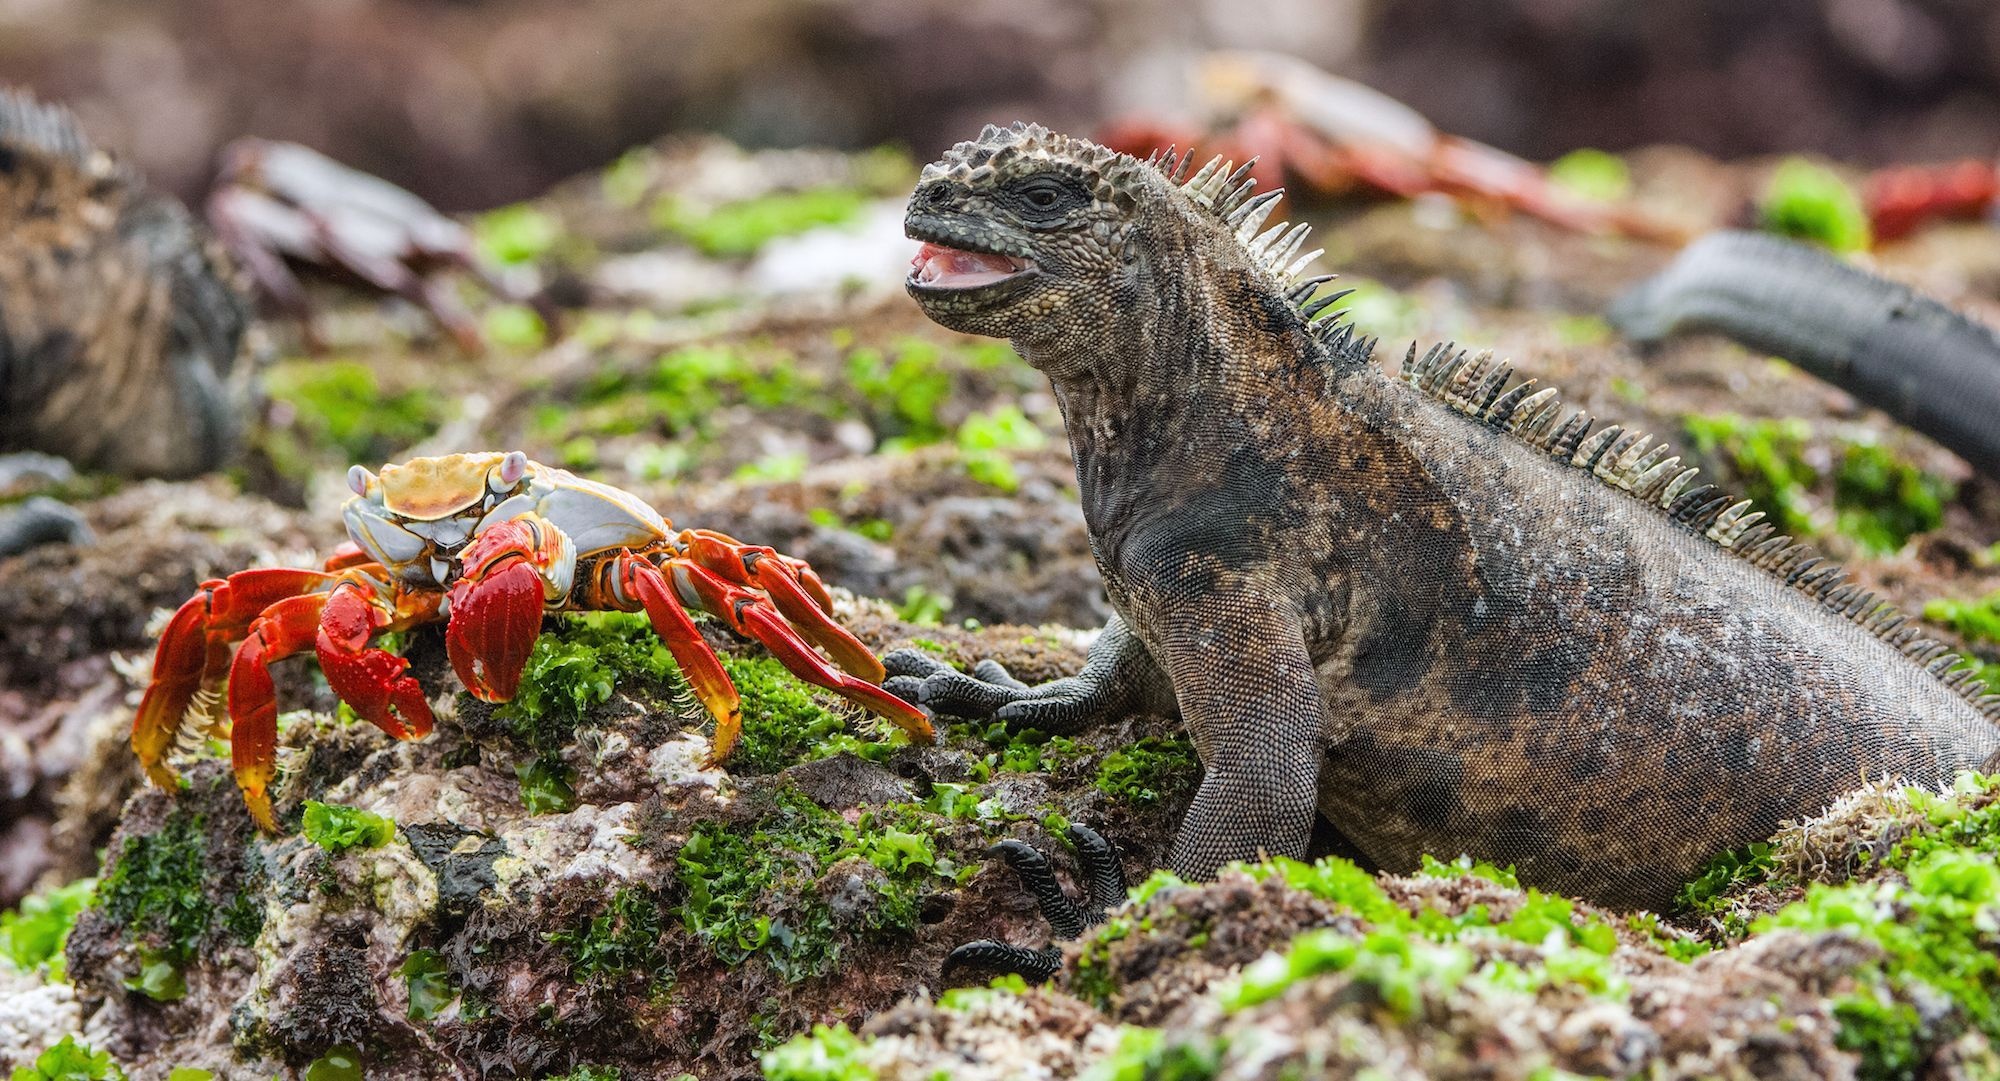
pixel 119 338
pixel 1367 600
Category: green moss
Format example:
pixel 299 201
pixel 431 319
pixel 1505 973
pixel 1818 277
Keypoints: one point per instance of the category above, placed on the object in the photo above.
pixel 515 327
pixel 428 981
pixel 337 828
pixel 965 999
pixel 1400 969
pixel 780 467
pixel 516 234
pixel 740 228
pixel 923 606
pixel 156 886
pixel 545 785
pixel 69 1060
pixel 1809 202
pixel 783 723
pixel 1466 867
pixel 986 440
pixel 753 893
pixel 621 942
pixel 1146 772
pixel 1879 500
pixel 34 934
pixel 575 665
pixel 827 1053
pixel 1939 937
pixel 1979 622
pixel 1592 175
pixel 342 406
pixel 901 391
pixel 1147 1054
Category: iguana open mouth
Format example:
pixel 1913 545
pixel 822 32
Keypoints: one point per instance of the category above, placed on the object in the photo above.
pixel 938 267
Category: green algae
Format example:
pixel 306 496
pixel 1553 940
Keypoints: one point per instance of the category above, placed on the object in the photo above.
pixel 336 828
pixel 1810 202
pixel 34 933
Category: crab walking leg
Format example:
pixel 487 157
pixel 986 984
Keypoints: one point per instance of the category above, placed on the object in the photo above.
pixel 193 654
pixel 635 579
pixel 753 616
pixel 512 572
pixel 282 630
pixel 755 565
pixel 374 682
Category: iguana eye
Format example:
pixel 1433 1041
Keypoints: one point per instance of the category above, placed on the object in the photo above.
pixel 1046 200
pixel 1043 197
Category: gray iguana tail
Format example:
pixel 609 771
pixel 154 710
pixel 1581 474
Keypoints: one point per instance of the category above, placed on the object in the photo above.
pixel 1903 353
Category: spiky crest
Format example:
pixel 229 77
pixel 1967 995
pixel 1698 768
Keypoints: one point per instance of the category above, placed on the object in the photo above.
pixel 1227 192
pixel 51 134
pixel 1478 387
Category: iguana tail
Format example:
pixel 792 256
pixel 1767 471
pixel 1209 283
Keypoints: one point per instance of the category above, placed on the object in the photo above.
pixel 1901 352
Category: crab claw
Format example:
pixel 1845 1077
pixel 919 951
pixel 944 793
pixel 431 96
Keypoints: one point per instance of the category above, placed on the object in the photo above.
pixel 371 681
pixel 754 616
pixel 793 587
pixel 282 630
pixel 699 665
pixel 193 654
pixel 511 570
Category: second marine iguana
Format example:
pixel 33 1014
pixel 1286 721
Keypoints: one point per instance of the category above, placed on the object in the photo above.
pixel 120 334
pixel 1441 610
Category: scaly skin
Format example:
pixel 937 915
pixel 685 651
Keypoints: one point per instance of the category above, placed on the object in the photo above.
pixel 1897 350
pixel 119 348
pixel 1367 604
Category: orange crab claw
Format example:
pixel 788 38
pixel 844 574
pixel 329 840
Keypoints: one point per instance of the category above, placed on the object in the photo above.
pixel 193 654
pixel 496 605
pixel 779 577
pixel 285 628
pixel 371 681
pixel 698 663
pixel 753 616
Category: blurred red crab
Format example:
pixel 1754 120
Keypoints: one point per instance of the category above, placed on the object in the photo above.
pixel 487 543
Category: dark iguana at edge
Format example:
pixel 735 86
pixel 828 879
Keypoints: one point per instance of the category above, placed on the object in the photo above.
pixel 1441 611
pixel 120 335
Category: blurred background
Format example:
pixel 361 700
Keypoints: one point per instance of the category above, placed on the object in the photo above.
pixel 472 103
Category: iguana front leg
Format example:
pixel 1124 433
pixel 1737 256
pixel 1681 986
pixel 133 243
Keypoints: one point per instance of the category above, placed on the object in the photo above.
pixel 1119 676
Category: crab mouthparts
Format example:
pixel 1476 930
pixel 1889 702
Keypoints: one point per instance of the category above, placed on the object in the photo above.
pixel 953 268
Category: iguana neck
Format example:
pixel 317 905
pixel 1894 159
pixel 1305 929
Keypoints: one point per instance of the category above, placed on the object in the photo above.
pixel 1158 399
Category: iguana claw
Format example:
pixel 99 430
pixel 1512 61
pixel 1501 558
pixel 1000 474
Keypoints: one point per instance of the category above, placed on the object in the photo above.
pixel 1103 879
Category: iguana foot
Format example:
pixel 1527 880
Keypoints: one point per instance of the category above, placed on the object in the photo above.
pixel 990 691
pixel 1103 880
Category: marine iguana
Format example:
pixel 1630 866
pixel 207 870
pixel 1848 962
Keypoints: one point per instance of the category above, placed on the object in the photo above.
pixel 1888 345
pixel 119 333
pixel 1440 610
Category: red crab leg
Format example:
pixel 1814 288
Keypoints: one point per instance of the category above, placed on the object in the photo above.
pixel 753 616
pixel 374 681
pixel 282 630
pixel 761 567
pixel 699 665
pixel 349 554
pixel 193 653
pixel 496 605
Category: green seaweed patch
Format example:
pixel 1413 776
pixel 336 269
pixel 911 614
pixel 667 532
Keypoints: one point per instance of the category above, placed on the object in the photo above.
pixel 1592 175
pixel 1147 1054
pixel 741 228
pixel 1149 771
pixel 574 667
pixel 1938 934
pixel 827 1053
pixel 783 721
pixel 967 999
pixel 753 893
pixel 35 933
pixel 427 980
pixel 69 1060
pixel 1810 202
pixel 923 606
pixel 337 828
pixel 517 234
pixel 342 407
pixel 987 442
pixel 157 886
pixel 341 1063
pixel 1978 621
pixel 901 391
pixel 622 942
pixel 1880 500
pixel 1712 892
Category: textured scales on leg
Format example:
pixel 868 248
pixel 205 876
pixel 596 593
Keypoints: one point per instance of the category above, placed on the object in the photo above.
pixel 1439 609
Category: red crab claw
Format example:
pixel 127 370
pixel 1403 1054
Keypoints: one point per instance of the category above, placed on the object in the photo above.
pixel 753 616
pixel 285 628
pixel 699 665
pixel 763 568
pixel 193 654
pixel 371 681
pixel 496 605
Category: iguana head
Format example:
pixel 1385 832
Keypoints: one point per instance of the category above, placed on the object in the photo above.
pixel 1024 226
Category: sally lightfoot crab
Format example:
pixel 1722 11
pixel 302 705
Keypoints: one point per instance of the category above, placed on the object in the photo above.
pixel 487 543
